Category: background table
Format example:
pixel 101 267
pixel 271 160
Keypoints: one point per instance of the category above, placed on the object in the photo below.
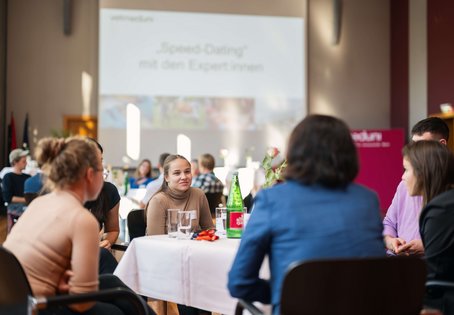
pixel 187 272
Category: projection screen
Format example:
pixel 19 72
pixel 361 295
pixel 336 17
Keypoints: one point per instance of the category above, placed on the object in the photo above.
pixel 221 77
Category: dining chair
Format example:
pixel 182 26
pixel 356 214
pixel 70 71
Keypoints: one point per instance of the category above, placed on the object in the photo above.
pixel 214 199
pixel 16 294
pixel 136 223
pixel 136 227
pixel 29 197
pixel 445 291
pixel 373 286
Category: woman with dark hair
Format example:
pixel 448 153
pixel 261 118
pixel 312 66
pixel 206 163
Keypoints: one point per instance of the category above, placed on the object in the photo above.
pixel 318 212
pixel 176 193
pixel 105 209
pixel 142 176
pixel 429 171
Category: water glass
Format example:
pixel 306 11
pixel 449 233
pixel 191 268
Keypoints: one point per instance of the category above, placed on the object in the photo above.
pixel 221 218
pixel 187 221
pixel 172 222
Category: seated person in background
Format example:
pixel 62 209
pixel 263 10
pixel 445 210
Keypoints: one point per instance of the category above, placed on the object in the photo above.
pixel 206 180
pixel 153 187
pixel 259 180
pixel 142 176
pixel 209 183
pixel 33 186
pixel 105 209
pixel 429 172
pixel 310 215
pixel 56 239
pixel 401 220
pixel 194 169
pixel 13 182
pixel 4 171
pixel 176 193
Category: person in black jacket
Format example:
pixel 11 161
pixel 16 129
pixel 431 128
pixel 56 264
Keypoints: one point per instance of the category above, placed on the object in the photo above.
pixel 429 171
pixel 105 209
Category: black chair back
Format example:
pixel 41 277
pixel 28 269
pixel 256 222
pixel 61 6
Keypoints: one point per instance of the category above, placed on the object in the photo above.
pixel 14 286
pixel 355 286
pixel 29 197
pixel 136 223
pixel 214 199
pixel 15 290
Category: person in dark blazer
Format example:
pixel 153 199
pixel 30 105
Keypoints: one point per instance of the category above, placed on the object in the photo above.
pixel 429 172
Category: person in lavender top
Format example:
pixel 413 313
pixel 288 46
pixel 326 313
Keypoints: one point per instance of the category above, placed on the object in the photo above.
pixel 400 225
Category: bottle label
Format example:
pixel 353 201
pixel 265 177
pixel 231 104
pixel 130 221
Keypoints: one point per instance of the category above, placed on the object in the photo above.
pixel 236 220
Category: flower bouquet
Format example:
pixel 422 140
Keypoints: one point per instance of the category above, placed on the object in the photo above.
pixel 272 174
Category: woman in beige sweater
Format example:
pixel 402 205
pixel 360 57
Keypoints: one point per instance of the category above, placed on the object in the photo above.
pixel 56 239
pixel 176 193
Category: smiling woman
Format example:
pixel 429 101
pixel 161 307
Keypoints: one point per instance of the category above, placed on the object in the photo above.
pixel 176 193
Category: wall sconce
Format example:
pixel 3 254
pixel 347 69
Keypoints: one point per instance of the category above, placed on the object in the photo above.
pixel 67 14
pixel 337 21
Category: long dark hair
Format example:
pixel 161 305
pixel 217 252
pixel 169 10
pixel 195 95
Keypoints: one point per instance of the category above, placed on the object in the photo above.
pixel 321 151
pixel 100 206
pixel 433 167
pixel 150 169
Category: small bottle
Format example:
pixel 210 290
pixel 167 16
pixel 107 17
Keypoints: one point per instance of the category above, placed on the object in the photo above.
pixel 126 181
pixel 235 209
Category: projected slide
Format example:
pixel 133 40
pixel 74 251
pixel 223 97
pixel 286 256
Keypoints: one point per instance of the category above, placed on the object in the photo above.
pixel 202 75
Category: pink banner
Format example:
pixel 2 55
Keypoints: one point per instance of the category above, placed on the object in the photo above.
pixel 380 157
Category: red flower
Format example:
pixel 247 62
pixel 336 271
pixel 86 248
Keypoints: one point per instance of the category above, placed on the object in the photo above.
pixel 272 152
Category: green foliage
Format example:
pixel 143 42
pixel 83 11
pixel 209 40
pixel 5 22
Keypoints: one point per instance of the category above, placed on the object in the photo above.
pixel 272 175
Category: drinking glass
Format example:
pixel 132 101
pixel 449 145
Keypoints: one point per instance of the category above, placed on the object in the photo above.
pixel 172 222
pixel 221 217
pixel 187 221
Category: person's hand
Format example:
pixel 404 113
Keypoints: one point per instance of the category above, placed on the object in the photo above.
pixel 427 311
pixel 394 243
pixel 63 283
pixel 414 247
pixel 105 244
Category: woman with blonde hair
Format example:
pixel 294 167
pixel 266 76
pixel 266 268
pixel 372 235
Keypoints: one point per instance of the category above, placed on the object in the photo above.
pixel 176 193
pixel 56 240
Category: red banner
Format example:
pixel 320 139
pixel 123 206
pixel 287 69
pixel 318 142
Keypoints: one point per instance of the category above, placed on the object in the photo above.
pixel 380 157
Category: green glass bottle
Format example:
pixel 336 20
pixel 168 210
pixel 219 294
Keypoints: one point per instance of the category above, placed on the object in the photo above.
pixel 126 181
pixel 235 209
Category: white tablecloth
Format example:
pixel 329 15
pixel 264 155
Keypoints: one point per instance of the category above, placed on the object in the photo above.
pixel 187 272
